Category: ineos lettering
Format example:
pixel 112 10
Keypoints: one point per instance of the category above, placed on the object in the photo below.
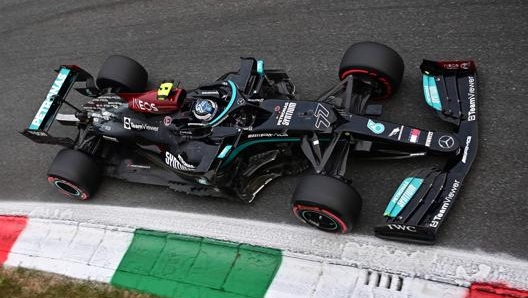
pixel 144 106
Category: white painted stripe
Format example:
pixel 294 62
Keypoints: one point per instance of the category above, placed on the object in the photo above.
pixel 112 248
pixel 336 281
pixel 312 279
pixel 433 263
pixel 372 284
pixel 418 288
pixel 295 279
pixel 93 252
pixel 57 240
pixel 30 240
pixel 64 247
pixel 83 246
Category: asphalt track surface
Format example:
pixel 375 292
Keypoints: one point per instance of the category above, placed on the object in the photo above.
pixel 196 41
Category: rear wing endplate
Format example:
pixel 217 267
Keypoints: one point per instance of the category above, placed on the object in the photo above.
pixel 38 129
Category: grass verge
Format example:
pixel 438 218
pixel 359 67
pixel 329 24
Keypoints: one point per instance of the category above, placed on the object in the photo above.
pixel 25 283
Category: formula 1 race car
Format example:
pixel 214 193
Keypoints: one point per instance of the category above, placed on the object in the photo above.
pixel 231 137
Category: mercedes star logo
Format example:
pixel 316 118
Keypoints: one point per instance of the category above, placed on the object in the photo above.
pixel 446 142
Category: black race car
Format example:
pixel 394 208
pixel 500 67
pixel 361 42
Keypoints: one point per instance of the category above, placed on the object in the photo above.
pixel 232 137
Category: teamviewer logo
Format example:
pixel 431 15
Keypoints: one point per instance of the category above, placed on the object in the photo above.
pixel 126 122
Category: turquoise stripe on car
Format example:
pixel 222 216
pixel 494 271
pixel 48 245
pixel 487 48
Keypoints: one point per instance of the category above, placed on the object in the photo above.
pixel 54 90
pixel 225 151
pixel 243 146
pixel 229 105
pixel 425 80
pixel 432 96
pixel 260 67
pixel 402 196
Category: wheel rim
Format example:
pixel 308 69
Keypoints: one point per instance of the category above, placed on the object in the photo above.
pixel 67 188
pixel 386 87
pixel 319 220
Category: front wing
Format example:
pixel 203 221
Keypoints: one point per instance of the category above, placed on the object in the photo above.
pixel 422 201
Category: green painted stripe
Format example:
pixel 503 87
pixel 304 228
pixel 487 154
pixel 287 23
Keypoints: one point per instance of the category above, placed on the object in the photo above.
pixel 243 146
pixel 172 265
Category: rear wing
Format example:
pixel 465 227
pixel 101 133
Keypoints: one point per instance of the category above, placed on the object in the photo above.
pixel 422 201
pixel 38 129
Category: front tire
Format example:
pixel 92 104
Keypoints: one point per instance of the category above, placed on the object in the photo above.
pixel 74 174
pixel 326 203
pixel 375 63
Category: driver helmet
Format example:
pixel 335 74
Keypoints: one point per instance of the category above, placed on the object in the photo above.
pixel 205 109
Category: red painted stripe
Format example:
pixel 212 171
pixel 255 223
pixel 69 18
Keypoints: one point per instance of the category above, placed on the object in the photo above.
pixel 488 290
pixel 10 228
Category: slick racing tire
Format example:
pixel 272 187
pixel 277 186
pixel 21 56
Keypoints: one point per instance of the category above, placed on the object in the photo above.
pixel 122 74
pixel 326 203
pixel 74 174
pixel 375 63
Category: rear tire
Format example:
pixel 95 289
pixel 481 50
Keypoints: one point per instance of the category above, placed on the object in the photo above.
pixel 374 62
pixel 122 73
pixel 326 203
pixel 74 174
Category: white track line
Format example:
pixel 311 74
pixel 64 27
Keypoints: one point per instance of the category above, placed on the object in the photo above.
pixel 300 278
pixel 65 247
pixel 434 263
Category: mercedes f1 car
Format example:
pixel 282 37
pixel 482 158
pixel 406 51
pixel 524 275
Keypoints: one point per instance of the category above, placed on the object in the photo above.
pixel 231 137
